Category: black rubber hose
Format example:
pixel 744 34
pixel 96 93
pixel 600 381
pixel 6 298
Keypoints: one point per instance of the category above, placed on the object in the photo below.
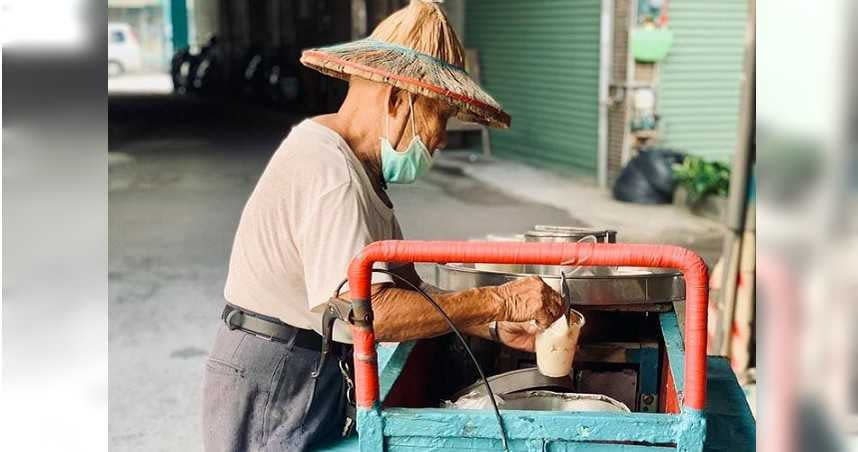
pixel 458 334
pixel 464 343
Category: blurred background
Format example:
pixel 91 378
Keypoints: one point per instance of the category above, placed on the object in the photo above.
pixel 637 115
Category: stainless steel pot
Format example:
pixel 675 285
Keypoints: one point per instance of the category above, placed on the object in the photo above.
pixel 554 401
pixel 622 286
pixel 602 235
pixel 518 380
pixel 563 234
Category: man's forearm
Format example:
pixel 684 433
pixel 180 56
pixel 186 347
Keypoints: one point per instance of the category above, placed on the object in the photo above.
pixel 402 315
pixel 481 331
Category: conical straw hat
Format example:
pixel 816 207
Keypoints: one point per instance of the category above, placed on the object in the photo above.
pixel 417 50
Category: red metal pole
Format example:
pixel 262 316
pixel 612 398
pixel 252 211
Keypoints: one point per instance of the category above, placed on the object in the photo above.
pixel 586 254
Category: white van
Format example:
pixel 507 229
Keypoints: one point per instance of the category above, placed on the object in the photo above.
pixel 123 50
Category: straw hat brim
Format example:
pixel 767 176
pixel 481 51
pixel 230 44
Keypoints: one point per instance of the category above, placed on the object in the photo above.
pixel 409 70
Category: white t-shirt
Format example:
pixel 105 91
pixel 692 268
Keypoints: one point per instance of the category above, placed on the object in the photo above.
pixel 312 211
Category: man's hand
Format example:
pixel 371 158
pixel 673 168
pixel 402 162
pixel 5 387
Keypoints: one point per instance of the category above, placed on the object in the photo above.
pixel 528 299
pixel 518 335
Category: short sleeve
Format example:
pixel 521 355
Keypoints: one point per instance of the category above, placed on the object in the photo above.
pixel 336 229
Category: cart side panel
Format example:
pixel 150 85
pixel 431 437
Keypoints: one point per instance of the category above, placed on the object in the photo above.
pixel 656 429
pixel 414 444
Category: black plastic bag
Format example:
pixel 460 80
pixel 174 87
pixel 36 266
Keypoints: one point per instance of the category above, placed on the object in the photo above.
pixel 657 166
pixel 648 177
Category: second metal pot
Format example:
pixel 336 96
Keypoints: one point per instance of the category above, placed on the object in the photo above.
pixel 563 234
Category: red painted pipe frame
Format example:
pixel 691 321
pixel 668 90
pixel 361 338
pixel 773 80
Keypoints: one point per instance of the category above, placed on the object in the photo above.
pixel 585 254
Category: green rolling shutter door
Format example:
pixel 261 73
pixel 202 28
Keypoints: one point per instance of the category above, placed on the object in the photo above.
pixel 540 60
pixel 698 94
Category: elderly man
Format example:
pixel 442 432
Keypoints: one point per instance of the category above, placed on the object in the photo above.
pixel 318 203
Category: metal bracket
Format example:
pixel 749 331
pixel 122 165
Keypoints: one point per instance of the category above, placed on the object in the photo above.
pixel 328 318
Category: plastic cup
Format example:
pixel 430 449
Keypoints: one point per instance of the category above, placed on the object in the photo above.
pixel 555 347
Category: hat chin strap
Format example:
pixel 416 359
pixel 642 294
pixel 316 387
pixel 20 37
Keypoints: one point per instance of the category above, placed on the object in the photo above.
pixel 411 114
pixel 411 117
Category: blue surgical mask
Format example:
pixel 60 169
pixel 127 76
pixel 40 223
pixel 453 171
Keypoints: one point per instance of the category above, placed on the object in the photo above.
pixel 404 167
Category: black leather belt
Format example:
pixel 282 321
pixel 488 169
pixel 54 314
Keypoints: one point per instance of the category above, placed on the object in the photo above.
pixel 270 328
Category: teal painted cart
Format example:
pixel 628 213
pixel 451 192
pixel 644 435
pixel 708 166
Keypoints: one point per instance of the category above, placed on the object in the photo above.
pixel 703 406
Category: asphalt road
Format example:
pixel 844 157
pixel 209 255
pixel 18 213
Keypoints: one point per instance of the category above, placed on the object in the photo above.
pixel 179 174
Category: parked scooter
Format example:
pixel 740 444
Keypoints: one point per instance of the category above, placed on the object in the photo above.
pixel 197 69
pixel 208 73
pixel 281 78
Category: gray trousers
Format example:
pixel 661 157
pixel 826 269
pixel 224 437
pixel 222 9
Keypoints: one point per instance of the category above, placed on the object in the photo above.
pixel 258 395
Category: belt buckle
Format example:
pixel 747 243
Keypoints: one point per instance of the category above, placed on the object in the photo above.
pixel 228 319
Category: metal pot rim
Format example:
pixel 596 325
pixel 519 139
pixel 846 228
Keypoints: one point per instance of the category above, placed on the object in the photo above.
pixel 561 233
pixel 639 273
pixel 515 376
pixel 567 396
pixel 574 229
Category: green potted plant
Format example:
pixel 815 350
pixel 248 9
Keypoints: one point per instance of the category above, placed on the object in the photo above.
pixel 702 186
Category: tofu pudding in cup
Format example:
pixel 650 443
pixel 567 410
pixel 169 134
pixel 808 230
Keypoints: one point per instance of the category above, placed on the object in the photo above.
pixel 555 347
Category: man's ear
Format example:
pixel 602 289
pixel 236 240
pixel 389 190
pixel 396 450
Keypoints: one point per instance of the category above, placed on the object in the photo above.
pixel 395 99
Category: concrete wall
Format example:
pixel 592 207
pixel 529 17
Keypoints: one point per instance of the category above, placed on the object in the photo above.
pixel 618 112
pixel 204 20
